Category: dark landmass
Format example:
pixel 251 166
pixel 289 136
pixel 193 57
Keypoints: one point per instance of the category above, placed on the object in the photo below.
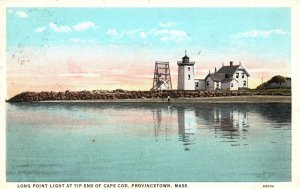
pixel 276 82
pixel 118 95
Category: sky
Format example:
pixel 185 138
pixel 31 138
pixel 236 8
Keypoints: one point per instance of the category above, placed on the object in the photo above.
pixel 58 49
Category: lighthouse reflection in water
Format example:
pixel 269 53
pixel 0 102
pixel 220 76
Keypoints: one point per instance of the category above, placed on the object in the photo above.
pixel 148 142
pixel 228 124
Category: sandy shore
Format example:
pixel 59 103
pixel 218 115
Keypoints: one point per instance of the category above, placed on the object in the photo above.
pixel 225 99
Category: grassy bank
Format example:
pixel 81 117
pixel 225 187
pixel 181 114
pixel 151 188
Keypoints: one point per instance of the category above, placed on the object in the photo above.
pixel 277 91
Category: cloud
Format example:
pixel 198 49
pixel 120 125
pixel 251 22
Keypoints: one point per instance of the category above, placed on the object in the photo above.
pixel 84 26
pixel 163 34
pixel 112 32
pixel 62 28
pixel 170 35
pixel 78 40
pixel 21 14
pixel 130 33
pixel 167 24
pixel 143 34
pixel 260 33
pixel 40 29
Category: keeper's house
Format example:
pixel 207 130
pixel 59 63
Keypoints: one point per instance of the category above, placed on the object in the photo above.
pixel 231 77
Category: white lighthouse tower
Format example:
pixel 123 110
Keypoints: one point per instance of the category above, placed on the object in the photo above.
pixel 186 76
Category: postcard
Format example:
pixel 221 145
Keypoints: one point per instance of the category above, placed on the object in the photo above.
pixel 149 94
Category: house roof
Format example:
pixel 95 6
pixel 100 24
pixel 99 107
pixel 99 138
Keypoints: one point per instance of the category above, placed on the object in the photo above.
pixel 230 70
pixel 226 70
pixel 216 76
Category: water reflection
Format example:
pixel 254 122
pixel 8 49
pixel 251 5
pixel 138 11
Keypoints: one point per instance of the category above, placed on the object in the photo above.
pixel 230 123
pixel 186 126
pixel 162 122
pixel 227 123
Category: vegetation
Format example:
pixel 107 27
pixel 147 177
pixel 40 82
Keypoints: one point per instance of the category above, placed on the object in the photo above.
pixel 274 83
pixel 274 91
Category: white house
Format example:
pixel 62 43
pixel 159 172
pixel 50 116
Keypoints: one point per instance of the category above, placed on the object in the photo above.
pixel 232 77
pixel 230 84
pixel 237 72
pixel 186 76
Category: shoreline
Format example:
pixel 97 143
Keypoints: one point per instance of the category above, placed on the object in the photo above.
pixel 150 96
pixel 220 100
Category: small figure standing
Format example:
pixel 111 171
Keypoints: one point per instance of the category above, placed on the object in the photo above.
pixel 169 98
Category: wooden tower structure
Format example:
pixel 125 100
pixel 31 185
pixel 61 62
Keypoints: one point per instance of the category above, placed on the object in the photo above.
pixel 162 76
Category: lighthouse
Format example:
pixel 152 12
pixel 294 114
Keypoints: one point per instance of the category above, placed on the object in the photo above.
pixel 186 76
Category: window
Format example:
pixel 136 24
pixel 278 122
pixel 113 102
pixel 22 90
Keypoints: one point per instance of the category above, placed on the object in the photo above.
pixel 244 83
pixel 189 69
pixel 207 83
pixel 237 75
pixel 189 77
pixel 231 85
pixel 243 75
pixel 196 84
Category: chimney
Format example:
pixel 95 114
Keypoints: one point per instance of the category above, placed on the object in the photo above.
pixel 231 63
pixel 215 70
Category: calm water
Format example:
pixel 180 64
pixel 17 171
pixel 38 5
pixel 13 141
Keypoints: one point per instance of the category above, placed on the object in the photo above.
pixel 143 142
